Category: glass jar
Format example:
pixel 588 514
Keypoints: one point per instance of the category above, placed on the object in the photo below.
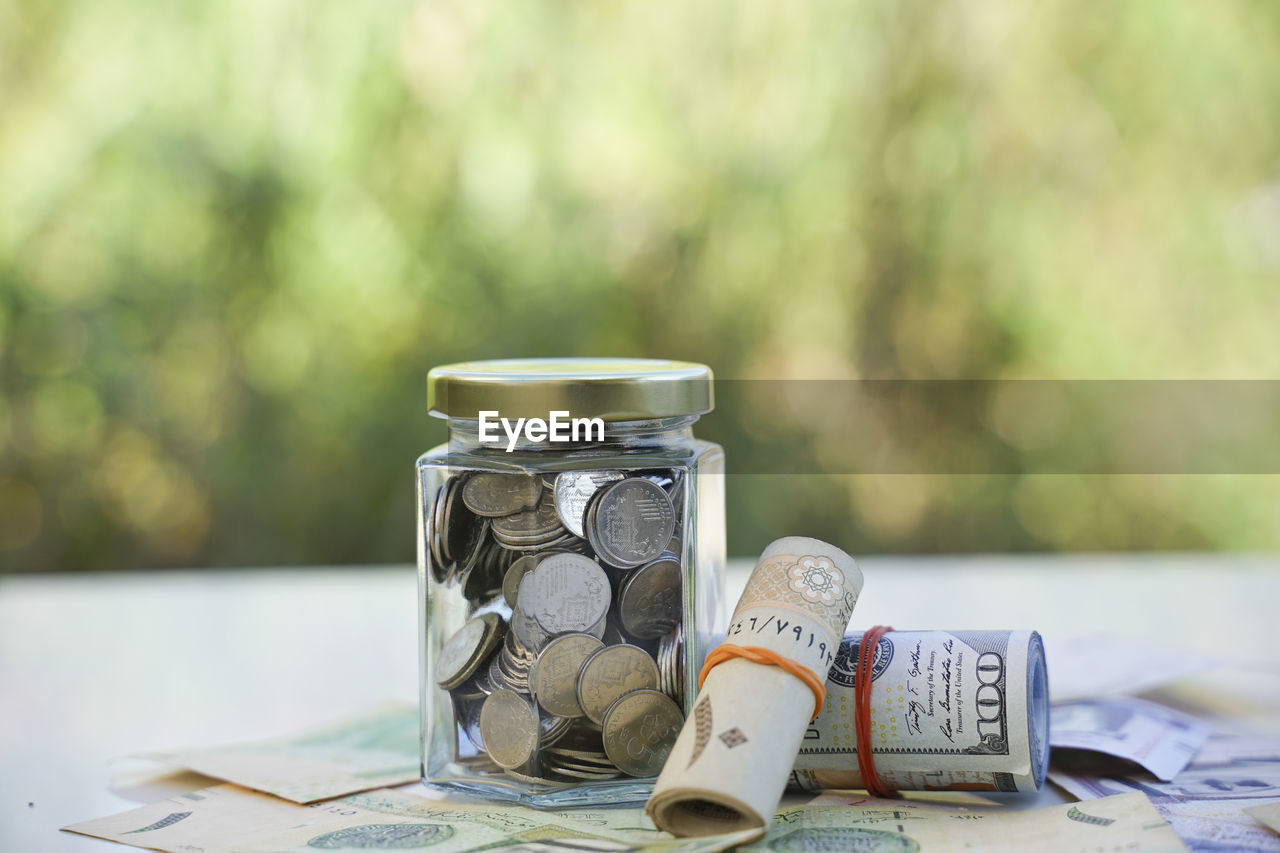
pixel 570 569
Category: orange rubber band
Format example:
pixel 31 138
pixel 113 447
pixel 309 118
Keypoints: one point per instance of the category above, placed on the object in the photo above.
pixel 756 654
pixel 862 713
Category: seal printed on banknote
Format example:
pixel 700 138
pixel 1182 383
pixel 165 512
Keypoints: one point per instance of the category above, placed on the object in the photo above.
pixel 845 666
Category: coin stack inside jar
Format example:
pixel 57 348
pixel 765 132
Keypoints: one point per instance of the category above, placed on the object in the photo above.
pixel 570 667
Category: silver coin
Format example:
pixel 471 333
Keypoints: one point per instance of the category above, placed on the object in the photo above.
pixel 671 664
pixel 493 495
pixel 555 682
pixel 497 677
pixel 573 492
pixel 533 681
pixel 650 603
pixel 539 542
pixel 566 592
pixel 462 654
pixel 610 673
pixel 514 662
pixel 640 728
pixel 562 541
pixel 519 649
pixel 664 665
pixel 515 679
pixel 632 521
pixel 515 573
pixel 509 728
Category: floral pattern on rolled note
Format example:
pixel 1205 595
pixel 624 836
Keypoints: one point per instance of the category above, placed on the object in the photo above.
pixel 817 579
pixel 773 585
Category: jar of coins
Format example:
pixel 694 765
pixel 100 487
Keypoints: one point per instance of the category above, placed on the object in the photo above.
pixel 570 563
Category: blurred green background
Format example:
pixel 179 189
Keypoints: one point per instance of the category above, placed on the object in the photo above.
pixel 234 236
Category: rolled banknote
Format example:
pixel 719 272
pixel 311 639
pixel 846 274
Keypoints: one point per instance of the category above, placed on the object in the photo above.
pixel 950 710
pixel 731 761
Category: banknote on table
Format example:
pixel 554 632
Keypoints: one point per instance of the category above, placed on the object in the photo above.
pixel 1126 822
pixel 1093 665
pixel 1160 739
pixel 951 710
pixel 230 819
pixel 1269 814
pixel 374 750
pixel 1206 802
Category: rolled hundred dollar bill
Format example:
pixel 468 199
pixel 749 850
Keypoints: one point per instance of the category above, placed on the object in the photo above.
pixel 728 768
pixel 950 710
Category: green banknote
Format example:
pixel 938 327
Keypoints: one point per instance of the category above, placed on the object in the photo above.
pixel 229 819
pixel 374 750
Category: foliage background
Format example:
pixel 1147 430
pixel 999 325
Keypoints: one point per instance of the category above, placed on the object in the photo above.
pixel 234 236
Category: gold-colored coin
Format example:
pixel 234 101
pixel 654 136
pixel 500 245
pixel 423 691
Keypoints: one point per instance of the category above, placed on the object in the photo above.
pixel 509 728
pixel 612 672
pixel 463 653
pixel 555 680
pixel 495 495
pixel 640 729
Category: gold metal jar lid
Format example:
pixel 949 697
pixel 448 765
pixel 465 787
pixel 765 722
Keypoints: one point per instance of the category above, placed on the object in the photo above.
pixel 613 389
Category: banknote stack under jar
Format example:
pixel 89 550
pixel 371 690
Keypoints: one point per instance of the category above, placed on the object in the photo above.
pixel 569 667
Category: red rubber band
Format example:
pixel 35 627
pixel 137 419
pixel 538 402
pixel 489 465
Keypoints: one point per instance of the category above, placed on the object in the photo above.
pixel 757 654
pixel 862 713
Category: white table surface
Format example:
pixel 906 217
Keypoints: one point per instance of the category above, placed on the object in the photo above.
pixel 96 667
